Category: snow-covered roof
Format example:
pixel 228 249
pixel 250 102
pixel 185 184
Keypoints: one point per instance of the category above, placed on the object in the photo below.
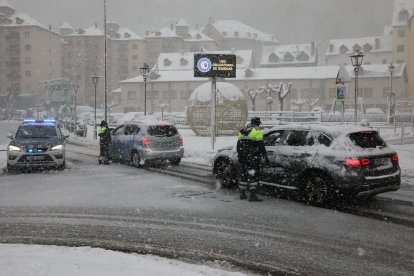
pixel 402 12
pixel 20 19
pixel 5 3
pixel 185 60
pixel 66 25
pixel 181 23
pixel 126 34
pixel 196 35
pixel 236 29
pixel 365 44
pixel 288 54
pixel 281 73
pixel 118 90
pixel 164 32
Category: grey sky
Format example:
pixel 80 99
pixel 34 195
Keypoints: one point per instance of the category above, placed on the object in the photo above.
pixel 290 20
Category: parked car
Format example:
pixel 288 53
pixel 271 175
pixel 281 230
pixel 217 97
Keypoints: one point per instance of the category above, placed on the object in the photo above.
pixel 321 162
pixel 37 143
pixel 146 140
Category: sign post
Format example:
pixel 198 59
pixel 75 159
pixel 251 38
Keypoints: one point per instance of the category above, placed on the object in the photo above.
pixel 214 66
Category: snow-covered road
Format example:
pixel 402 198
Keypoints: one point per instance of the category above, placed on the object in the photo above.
pixel 124 208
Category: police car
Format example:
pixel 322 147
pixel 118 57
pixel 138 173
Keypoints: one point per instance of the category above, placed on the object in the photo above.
pixel 36 144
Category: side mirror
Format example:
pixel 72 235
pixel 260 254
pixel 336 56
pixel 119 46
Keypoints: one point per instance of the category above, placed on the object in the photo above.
pixel 65 136
pixel 10 136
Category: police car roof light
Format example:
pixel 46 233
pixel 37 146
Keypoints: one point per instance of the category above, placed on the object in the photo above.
pixel 29 121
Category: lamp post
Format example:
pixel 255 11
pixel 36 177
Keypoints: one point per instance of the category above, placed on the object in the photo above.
pixel 356 59
pixel 391 97
pixel 95 79
pixel 75 87
pixel 144 73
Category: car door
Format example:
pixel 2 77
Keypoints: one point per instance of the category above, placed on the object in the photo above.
pixel 293 157
pixel 272 142
pixel 127 140
pixel 115 146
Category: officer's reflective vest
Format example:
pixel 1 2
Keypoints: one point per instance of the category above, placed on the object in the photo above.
pixel 254 134
pixel 102 130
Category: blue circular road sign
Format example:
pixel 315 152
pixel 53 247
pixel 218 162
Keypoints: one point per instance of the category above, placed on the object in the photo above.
pixel 204 65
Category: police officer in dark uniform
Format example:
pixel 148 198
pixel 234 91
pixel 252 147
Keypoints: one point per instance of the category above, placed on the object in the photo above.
pixel 104 140
pixel 250 149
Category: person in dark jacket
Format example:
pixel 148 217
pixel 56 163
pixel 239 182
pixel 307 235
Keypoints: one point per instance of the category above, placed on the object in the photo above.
pixel 104 139
pixel 250 149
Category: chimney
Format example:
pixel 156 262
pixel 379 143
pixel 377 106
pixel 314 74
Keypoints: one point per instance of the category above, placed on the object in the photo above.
pixel 331 47
pixel 50 27
pixel 96 25
pixel 172 27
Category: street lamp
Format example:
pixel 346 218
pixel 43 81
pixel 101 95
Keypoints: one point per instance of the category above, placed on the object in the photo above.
pixel 95 79
pixel 391 97
pixel 75 87
pixel 356 59
pixel 144 73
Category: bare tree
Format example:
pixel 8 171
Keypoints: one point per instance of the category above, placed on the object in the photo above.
pixel 251 94
pixel 311 102
pixel 299 102
pixel 270 91
pixel 283 91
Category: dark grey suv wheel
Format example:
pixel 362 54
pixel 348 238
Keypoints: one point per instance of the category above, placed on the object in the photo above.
pixel 136 159
pixel 316 188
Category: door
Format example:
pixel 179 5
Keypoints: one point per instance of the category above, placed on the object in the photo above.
pixel 127 140
pixel 114 147
pixel 293 158
pixel 272 142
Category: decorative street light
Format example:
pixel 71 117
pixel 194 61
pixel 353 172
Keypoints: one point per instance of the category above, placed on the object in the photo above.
pixel 144 73
pixel 356 59
pixel 95 79
pixel 75 87
pixel 391 97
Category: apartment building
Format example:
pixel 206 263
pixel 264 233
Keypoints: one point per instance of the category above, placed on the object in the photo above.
pixel 29 53
pixel 403 37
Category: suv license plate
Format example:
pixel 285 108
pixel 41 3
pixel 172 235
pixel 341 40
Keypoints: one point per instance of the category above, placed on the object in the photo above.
pixel 381 161
pixel 35 158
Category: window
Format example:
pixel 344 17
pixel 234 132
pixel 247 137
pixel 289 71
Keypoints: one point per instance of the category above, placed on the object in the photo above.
pixel 296 138
pixel 367 139
pixel 343 49
pixel 400 48
pixel 401 33
pixel 28 73
pixel 131 129
pixel 119 131
pixel 27 47
pixel 273 138
pixel 384 61
pixel 288 57
pixel 273 57
pixel 27 34
pixel 403 15
pixel 28 60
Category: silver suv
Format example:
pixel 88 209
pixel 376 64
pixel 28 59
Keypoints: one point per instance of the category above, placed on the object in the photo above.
pixel 148 140
pixel 37 143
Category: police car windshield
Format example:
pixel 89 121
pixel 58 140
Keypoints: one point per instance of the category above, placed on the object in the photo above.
pixel 36 131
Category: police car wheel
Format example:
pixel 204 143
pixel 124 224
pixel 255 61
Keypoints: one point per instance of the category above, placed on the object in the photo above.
pixel 62 167
pixel 11 169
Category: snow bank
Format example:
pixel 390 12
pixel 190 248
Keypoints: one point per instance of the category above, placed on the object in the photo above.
pixel 19 259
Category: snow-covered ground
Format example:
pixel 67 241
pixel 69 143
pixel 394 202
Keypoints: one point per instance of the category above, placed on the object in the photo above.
pixel 31 260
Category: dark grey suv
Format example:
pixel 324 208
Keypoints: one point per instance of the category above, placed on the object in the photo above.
pixel 321 161
pixel 146 140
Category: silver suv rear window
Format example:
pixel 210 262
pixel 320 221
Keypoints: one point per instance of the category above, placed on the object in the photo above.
pixel 162 131
pixel 367 139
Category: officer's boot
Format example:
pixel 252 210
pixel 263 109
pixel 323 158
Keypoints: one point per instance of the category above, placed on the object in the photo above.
pixel 254 197
pixel 243 194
